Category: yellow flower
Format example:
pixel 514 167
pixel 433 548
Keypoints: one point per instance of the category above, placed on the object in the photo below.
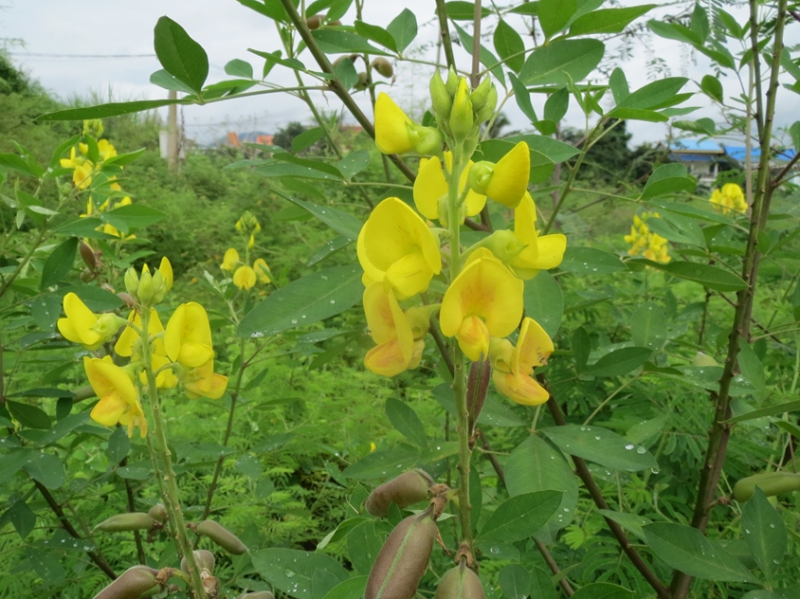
pixel 372 447
pixel 506 181
pixel 188 336
pixel 119 401
pixel 262 270
pixel 165 268
pixel 127 347
pixel 203 382
pixel 643 241
pixel 395 246
pixel 84 326
pixel 513 367
pixel 484 301
pixel 244 277
pixel 540 253
pixel 82 175
pixel 731 197
pixel 397 350
pixel 391 127
pixel 430 185
pixel 251 242
pixel 231 260
pixel 105 150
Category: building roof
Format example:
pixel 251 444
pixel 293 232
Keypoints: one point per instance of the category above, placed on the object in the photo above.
pixel 694 146
pixel 739 153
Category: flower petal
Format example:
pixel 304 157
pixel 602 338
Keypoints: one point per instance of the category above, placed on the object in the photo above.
pixel 473 338
pixel 429 186
pixel 511 175
pixel 523 390
pixel 244 278
pixel 391 130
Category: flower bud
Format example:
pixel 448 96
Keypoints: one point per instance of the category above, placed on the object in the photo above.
pixel 131 281
pixel 480 175
pixel 485 112
pixel 481 93
pixel 771 483
pixel 88 256
pixel 159 287
pixel 427 141
pixel 459 583
pixel 461 116
pixel 403 559
pixel 221 536
pixel 404 490
pixel 108 324
pixel 131 584
pixel 146 288
pixel 441 100
pixel 452 82
pixel 158 512
pixel 383 66
pixel 503 244
pixel 126 522
pixel 204 560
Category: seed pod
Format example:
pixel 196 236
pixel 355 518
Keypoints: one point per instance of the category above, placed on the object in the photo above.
pixel 204 560
pixel 88 256
pixel 403 559
pixel 361 84
pixel 383 66
pixel 404 490
pixel 257 595
pixel 771 483
pixel 314 22
pixel 336 23
pixel 221 536
pixel 131 584
pixel 460 583
pixel 158 512
pixel 126 522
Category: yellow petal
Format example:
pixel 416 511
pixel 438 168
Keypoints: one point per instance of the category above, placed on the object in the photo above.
pixel 187 338
pixel 81 320
pixel 409 275
pixel 202 382
pixel 510 178
pixel 386 359
pixel 262 270
pixel 533 348
pixel 521 389
pixel 230 260
pixel 386 319
pixel 391 127
pixel 113 386
pixel 244 277
pixel 429 186
pixel 473 338
pixel 165 268
pixel 474 201
pixel 109 409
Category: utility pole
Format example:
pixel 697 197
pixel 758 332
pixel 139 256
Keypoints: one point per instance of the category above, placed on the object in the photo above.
pixel 172 134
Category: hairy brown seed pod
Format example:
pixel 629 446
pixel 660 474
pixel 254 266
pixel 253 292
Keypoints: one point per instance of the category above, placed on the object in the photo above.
pixel 404 490
pixel 361 84
pixel 383 66
pixel 88 256
pixel 127 522
pixel 335 23
pixel 314 22
pixel 403 559
pixel 158 512
pixel 771 483
pixel 131 584
pixel 221 536
pixel 204 560
pixel 460 583
pixel 257 595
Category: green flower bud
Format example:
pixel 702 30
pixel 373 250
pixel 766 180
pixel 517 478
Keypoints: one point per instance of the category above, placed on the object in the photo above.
pixel 486 111
pixel 503 244
pixel 126 522
pixel 481 93
pixel 480 175
pixel 131 281
pixel 442 102
pixel 146 290
pixel 427 141
pixel 159 287
pixel 461 117
pixel 108 324
pixel 221 536
pixel 452 82
pixel 131 584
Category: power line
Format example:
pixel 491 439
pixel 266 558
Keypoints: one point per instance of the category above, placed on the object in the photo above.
pixel 45 55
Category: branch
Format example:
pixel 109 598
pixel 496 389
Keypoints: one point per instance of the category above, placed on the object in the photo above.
pixel 132 508
pixel 97 558
pixel 597 496
pixel 475 76
pixel 444 31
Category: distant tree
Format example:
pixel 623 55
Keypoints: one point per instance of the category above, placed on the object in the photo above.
pixel 285 135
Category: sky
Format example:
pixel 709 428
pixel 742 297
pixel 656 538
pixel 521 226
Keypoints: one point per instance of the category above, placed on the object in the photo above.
pixel 84 47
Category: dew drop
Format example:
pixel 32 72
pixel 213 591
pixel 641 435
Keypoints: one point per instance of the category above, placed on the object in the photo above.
pixel 333 301
pixel 294 321
pixel 641 450
pixel 597 437
pixel 629 446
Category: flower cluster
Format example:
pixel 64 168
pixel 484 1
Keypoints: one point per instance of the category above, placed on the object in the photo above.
pixel 244 275
pixel 182 354
pixel 401 254
pixel 730 197
pixel 646 243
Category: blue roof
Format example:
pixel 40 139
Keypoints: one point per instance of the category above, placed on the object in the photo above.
pixel 694 145
pixel 739 153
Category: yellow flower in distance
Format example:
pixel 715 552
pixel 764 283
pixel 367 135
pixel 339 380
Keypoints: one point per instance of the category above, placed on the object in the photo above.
pixel 391 127
pixel 397 350
pixel 203 382
pixel 506 181
pixel 431 184
pixel 395 246
pixel 188 336
pixel 540 253
pixel 731 197
pixel 262 270
pixel 513 367
pixel 244 277
pixel 119 401
pixel 484 301
pixel 230 260
pixel 643 241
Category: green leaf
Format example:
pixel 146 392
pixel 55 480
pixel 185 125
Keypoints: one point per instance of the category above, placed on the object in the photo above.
pixel 547 65
pixel 508 43
pixel 95 298
pixel 343 223
pixel 346 72
pixel 557 105
pixel 686 549
pixel 789 406
pixel 699 23
pixel 118 445
pixel 554 15
pixel 291 571
pixel 363 545
pixel 487 59
pixel 674 31
pixel 794 132
pixel 463 11
pixel 132 217
pixel 353 163
pixel 653 95
pixel 752 369
pixel 22 517
pixel 581 347
pixel 631 522
pixel 12 463
pixel 350 588
pixel 708 276
pixel 305 301
pixel 307 139
pixel 28 416
pixel 602 590
pixel 642 431
pixel 403 29
pixel 607 20
pixel 520 517
pixel 405 419
pixel 648 326
pixel 515 581
pixel 544 302
pixel 46 565
pixel 602 446
pixel 103 111
pixel 334 41
pixel 162 78
pixel 179 54
pixel 691 211
pixel 15 163
pixel 765 533
pixel 555 150
pixel 269 8
pixel 620 362
pixel 536 466
pixel 590 261
pixel 45 468
pixel 59 263
pixel 377 34
pixel 669 178
pixel 523 97
pixel 619 85
pixel 239 68
pixel 305 171
pixel 381 464
pixel 712 87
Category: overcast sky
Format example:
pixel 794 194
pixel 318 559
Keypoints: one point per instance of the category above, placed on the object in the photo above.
pixel 111 32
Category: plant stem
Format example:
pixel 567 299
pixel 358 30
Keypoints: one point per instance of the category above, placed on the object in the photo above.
pixel 444 31
pixel 171 500
pixel 475 76
pixel 132 508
